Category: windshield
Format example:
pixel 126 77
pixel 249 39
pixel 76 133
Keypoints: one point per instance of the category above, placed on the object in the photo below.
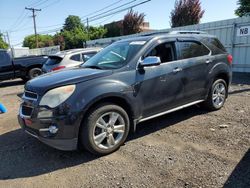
pixel 114 56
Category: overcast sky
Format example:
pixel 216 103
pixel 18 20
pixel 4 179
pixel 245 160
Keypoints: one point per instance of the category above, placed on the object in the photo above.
pixel 17 20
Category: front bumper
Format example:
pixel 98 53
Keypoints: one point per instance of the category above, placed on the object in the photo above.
pixel 61 144
pixel 36 121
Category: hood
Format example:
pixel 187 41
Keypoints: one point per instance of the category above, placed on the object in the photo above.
pixel 64 77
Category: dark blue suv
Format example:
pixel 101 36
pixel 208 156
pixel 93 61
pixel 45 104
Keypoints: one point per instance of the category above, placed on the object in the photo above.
pixel 128 82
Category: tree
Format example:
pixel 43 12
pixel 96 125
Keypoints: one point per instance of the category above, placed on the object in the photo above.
pixel 132 22
pixel 74 38
pixel 59 40
pixel 243 9
pixel 186 12
pixel 72 35
pixel 73 22
pixel 96 32
pixel 43 41
pixel 3 45
pixel 114 29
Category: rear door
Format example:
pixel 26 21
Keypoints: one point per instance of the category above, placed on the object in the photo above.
pixel 6 67
pixel 195 59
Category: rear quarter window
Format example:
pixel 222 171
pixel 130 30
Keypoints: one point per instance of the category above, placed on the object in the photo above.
pixel 191 49
pixel 215 45
pixel 87 56
pixel 76 57
pixel 53 60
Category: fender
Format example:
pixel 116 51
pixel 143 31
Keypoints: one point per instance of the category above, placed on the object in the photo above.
pixel 101 90
pixel 220 68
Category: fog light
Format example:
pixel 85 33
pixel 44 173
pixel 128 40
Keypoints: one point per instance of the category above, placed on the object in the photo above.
pixel 53 129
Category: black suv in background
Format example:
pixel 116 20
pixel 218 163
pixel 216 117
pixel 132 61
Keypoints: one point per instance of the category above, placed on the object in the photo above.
pixel 128 82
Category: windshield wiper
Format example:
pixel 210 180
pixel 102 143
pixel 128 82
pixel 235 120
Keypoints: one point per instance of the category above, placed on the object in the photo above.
pixel 92 67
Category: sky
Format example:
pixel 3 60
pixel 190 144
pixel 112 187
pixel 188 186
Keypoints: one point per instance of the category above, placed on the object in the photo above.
pixel 18 21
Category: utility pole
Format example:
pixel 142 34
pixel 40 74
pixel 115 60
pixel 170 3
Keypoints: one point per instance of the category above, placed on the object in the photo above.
pixel 34 21
pixel 88 28
pixel 10 47
pixel 8 38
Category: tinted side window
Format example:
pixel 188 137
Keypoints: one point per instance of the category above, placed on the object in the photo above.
pixel 76 57
pixel 215 45
pixel 4 58
pixel 166 52
pixel 190 49
pixel 87 56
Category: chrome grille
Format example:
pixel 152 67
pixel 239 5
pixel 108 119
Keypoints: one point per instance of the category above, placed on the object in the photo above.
pixel 26 110
pixel 30 95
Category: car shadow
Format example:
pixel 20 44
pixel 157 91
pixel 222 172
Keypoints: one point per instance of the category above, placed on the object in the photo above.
pixel 11 83
pixel 238 91
pixel 240 177
pixel 241 78
pixel 24 156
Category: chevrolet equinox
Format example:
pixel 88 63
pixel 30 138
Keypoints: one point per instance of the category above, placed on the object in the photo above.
pixel 128 82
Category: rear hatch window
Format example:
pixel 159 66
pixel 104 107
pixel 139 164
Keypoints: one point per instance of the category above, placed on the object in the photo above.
pixel 53 60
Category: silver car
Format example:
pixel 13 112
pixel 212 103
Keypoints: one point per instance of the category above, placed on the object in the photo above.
pixel 68 58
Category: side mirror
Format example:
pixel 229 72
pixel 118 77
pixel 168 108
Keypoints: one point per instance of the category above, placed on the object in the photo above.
pixel 150 61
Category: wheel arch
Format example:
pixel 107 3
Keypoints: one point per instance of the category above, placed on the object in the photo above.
pixel 114 99
pixel 27 69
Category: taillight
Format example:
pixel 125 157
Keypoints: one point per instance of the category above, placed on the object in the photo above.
pixel 230 59
pixel 58 68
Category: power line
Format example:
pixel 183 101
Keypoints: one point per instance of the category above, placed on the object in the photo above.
pixel 102 15
pixel 110 5
pixel 111 9
pixel 19 19
pixel 51 4
pixel 116 12
pixel 39 2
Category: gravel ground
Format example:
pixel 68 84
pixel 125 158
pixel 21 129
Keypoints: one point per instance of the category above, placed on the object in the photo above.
pixel 188 148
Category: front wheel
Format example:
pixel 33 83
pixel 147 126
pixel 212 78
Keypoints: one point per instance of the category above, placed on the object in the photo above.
pixel 105 129
pixel 217 95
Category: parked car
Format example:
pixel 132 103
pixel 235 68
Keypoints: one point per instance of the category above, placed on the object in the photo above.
pixel 128 82
pixel 27 67
pixel 69 58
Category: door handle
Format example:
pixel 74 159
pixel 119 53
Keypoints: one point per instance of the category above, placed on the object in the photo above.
pixel 178 69
pixel 208 61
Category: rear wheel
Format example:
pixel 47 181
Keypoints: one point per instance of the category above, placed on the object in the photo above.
pixel 34 72
pixel 217 95
pixel 105 129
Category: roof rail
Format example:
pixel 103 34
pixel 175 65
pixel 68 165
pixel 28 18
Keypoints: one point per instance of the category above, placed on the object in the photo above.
pixel 187 32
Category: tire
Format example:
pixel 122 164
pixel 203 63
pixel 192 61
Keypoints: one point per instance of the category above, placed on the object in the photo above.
pixel 34 72
pixel 217 95
pixel 99 134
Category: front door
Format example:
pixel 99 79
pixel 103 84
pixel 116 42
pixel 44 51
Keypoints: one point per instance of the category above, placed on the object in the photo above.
pixel 160 87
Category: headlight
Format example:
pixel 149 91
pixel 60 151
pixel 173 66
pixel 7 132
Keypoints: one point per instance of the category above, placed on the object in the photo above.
pixel 57 96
